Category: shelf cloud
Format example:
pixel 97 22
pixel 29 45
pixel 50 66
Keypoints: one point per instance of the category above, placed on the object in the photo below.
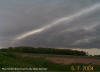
pixel 50 23
pixel 58 21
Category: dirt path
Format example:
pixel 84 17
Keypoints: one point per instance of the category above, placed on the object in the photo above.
pixel 64 59
pixel 74 60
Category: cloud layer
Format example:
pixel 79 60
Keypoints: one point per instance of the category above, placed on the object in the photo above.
pixel 50 23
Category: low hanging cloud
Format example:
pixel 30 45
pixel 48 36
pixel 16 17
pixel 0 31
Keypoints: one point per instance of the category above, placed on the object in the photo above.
pixel 85 40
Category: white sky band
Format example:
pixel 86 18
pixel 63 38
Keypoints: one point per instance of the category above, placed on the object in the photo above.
pixel 58 21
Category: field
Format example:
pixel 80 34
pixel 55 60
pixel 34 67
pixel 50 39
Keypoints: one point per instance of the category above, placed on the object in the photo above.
pixel 50 62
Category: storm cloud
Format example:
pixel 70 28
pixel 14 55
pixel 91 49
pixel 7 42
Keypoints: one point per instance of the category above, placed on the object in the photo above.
pixel 50 23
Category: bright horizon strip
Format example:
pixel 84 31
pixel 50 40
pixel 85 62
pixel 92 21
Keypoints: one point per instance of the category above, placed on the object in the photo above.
pixel 58 21
pixel 89 51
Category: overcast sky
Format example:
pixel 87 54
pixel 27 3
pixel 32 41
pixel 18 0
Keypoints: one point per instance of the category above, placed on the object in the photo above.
pixel 50 23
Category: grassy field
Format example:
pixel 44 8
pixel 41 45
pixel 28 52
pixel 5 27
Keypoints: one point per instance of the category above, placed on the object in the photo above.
pixel 11 60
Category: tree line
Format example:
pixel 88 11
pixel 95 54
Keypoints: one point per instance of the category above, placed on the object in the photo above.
pixel 41 50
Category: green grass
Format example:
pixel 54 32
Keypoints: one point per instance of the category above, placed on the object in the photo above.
pixel 9 60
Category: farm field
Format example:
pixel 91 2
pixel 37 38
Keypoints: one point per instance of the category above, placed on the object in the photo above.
pixel 51 62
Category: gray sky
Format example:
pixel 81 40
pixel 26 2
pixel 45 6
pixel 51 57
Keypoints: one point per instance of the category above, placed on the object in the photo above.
pixel 50 23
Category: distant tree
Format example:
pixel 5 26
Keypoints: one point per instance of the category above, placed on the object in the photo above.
pixel 41 50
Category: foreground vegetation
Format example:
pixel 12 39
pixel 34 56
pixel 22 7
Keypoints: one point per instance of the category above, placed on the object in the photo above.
pixel 8 60
pixel 11 58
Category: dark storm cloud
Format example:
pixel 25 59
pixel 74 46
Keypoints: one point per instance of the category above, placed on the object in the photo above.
pixel 20 16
